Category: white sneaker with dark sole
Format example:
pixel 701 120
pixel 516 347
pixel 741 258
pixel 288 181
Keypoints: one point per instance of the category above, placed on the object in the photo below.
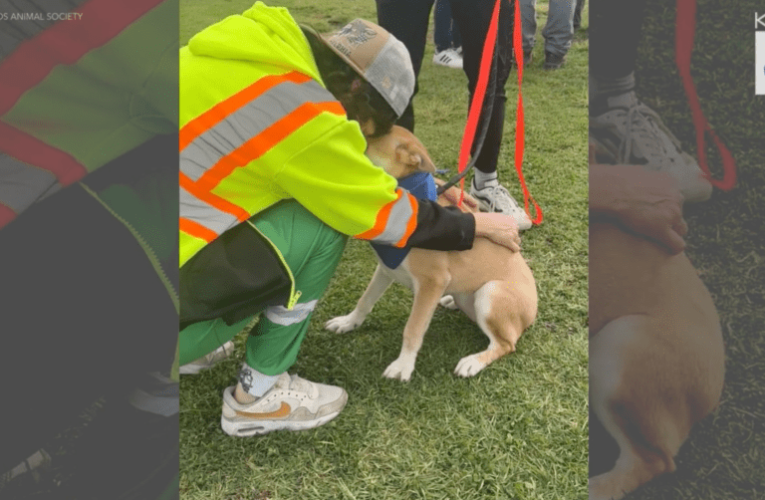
pixel 495 198
pixel 292 404
pixel 207 362
pixel 631 133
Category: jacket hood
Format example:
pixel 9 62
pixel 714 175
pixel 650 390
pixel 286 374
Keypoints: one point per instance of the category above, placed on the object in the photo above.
pixel 262 34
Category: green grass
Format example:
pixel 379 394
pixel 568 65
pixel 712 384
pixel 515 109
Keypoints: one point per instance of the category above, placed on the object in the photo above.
pixel 518 429
pixel 723 457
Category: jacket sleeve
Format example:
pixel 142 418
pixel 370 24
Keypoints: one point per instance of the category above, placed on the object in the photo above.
pixel 336 182
pixel 440 228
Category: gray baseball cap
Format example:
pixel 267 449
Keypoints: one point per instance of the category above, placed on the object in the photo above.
pixel 379 57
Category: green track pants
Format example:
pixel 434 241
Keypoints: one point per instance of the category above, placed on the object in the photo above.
pixel 312 251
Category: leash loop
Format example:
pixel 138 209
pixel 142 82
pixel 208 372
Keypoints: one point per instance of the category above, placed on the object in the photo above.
pixel 685 30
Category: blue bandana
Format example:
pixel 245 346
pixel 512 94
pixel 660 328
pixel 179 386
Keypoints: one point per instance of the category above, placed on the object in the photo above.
pixel 420 185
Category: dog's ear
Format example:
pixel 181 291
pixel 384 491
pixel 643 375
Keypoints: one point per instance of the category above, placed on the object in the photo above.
pixel 426 164
pixel 417 159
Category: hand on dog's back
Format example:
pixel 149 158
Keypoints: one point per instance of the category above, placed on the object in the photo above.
pixel 499 228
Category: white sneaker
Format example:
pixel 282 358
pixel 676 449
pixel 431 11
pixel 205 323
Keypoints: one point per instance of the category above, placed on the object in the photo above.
pixel 293 403
pixel 495 198
pixel 631 133
pixel 449 58
pixel 207 362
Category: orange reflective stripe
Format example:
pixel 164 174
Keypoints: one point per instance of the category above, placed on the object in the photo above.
pixel 412 224
pixel 213 200
pixel 196 230
pixel 220 111
pixel 382 219
pixel 264 141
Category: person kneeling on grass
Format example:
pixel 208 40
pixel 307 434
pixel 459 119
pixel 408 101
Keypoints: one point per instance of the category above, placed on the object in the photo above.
pixel 273 179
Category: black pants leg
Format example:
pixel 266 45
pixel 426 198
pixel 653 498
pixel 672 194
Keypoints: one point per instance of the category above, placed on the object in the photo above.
pixel 473 18
pixel 615 27
pixel 408 21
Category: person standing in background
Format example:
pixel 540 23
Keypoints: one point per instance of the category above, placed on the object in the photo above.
pixel 558 31
pixel 408 21
pixel 446 37
pixel 578 14
pixel 623 130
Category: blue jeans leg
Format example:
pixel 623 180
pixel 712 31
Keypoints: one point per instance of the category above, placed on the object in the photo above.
pixel 442 29
pixel 528 24
pixel 559 29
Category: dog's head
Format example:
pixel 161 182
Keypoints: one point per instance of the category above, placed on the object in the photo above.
pixel 399 153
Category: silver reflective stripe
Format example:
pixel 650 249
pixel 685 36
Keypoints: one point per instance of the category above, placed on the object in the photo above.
pixel 283 316
pixel 21 185
pixel 194 209
pixel 397 221
pixel 247 122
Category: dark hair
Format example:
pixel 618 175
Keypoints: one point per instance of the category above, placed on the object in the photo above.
pixel 362 102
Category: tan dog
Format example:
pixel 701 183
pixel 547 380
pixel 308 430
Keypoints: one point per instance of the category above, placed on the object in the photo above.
pixel 491 284
pixel 656 354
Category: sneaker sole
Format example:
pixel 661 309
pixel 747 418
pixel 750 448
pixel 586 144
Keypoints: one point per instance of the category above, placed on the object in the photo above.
pixel 447 65
pixel 247 428
pixel 191 369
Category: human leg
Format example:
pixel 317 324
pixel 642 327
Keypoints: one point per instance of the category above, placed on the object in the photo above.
pixel 473 19
pixel 528 24
pixel 622 129
pixel 558 32
pixel 312 250
pixel 578 14
pixel 442 20
pixel 446 37
pixel 408 21
pixel 454 30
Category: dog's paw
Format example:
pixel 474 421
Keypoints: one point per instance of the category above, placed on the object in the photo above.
pixel 343 324
pixel 469 366
pixel 604 487
pixel 448 302
pixel 399 370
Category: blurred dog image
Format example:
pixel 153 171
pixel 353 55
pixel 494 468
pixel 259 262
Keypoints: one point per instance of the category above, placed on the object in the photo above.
pixel 490 283
pixel 656 354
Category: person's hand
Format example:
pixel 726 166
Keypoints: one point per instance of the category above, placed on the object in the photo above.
pixel 648 203
pixel 499 228
pixel 452 195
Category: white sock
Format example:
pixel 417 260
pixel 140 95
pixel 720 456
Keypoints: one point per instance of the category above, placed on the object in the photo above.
pixel 482 179
pixel 255 383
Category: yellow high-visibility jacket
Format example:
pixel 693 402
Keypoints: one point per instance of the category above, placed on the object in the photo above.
pixel 258 126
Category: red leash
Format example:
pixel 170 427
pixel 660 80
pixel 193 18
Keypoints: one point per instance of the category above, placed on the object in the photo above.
pixel 478 97
pixel 685 29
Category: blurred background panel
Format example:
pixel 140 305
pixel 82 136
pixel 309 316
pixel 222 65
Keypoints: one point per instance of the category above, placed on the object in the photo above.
pixel 708 301
pixel 88 248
